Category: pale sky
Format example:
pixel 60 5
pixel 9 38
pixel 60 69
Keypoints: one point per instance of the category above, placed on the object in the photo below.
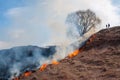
pixel 29 22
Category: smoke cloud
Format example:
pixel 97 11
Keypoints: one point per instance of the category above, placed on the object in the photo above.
pixel 43 23
pixel 4 44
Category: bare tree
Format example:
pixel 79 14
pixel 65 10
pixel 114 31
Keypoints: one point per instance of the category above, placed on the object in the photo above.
pixel 83 20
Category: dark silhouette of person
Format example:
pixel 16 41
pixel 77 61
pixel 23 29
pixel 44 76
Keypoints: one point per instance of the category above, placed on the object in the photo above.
pixel 108 25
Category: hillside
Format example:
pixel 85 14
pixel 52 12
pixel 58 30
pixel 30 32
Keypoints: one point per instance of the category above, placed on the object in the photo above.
pixel 100 60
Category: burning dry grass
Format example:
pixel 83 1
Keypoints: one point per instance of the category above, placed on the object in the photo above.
pixel 86 66
pixel 26 74
pixel 42 68
pixel 76 52
pixel 54 62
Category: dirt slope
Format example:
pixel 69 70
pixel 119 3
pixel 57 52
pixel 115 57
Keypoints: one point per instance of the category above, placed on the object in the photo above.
pixel 100 60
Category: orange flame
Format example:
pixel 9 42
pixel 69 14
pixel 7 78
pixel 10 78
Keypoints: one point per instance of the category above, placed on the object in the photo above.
pixel 26 74
pixel 42 68
pixel 75 53
pixel 55 62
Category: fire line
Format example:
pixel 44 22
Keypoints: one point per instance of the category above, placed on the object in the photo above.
pixel 54 62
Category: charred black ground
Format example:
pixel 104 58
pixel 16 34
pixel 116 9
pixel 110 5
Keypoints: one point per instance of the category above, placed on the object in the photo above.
pixel 100 60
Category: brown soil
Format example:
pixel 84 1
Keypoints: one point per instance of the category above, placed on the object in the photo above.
pixel 100 60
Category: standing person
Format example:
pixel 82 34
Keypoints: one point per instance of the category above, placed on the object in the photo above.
pixel 108 25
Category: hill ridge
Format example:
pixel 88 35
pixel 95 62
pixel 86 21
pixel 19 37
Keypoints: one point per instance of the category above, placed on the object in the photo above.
pixel 98 61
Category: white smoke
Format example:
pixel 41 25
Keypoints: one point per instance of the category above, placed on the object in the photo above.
pixel 103 9
pixel 43 22
pixel 4 44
